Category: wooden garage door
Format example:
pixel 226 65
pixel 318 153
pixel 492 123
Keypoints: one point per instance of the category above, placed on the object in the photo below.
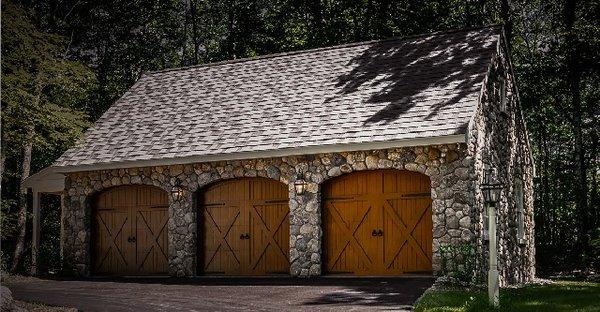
pixel 129 231
pixel 377 223
pixel 245 227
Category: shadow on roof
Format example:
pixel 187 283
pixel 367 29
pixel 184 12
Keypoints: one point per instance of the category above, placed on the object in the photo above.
pixel 447 67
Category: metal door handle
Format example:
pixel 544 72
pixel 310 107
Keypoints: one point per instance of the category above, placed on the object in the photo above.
pixel 374 233
pixel 380 232
pixel 131 239
pixel 241 236
pixel 247 236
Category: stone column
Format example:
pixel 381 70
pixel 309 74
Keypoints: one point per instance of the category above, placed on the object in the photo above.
pixel 75 235
pixel 305 231
pixel 182 235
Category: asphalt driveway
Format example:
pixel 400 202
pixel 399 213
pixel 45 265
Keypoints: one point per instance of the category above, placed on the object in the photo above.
pixel 224 294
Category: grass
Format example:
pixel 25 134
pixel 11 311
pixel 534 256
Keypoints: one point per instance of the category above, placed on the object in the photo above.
pixel 560 296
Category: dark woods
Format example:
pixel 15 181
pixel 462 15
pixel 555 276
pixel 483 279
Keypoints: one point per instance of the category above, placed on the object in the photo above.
pixel 65 62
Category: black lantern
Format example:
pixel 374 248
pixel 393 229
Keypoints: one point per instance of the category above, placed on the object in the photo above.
pixel 491 186
pixel 299 184
pixel 177 190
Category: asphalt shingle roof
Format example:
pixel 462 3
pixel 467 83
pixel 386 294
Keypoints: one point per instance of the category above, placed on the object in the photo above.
pixel 418 87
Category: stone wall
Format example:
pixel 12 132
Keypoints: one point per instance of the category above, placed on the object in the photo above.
pixel 449 167
pixel 499 139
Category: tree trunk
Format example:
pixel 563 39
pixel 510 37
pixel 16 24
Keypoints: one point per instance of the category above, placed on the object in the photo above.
pixel 22 214
pixel 574 83
pixel 186 20
pixel 194 31
pixel 507 21
pixel 2 161
pixel 315 10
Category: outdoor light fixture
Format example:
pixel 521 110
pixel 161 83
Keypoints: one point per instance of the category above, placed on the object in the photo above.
pixel 300 184
pixel 491 186
pixel 177 190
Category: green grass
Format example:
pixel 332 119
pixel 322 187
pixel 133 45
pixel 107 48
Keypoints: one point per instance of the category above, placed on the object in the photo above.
pixel 561 296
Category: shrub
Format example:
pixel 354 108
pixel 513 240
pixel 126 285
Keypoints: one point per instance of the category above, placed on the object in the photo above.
pixel 459 263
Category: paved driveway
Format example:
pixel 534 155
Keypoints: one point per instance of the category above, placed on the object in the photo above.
pixel 221 294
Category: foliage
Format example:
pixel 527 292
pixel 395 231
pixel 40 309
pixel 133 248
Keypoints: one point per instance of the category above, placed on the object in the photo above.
pixel 40 86
pixel 560 296
pixel 542 45
pixel 459 263
pixel 41 91
pixel 595 248
pixel 49 260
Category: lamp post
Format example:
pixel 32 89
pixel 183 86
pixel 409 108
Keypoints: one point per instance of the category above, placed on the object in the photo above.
pixel 491 188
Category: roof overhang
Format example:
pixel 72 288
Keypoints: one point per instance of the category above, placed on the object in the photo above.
pixel 308 150
pixel 47 180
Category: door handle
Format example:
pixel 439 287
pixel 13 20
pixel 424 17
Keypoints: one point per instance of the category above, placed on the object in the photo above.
pixel 380 232
pixel 242 236
pixel 247 236
pixel 131 239
pixel 374 233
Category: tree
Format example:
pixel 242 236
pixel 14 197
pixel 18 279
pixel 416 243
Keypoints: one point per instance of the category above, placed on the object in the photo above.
pixel 40 90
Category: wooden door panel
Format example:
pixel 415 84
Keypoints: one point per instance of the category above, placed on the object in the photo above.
pixel 408 241
pixel 352 247
pixel 400 206
pixel 245 227
pixel 269 238
pixel 223 248
pixel 152 241
pixel 113 254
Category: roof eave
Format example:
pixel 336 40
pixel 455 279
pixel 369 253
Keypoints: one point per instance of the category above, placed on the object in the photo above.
pixel 309 150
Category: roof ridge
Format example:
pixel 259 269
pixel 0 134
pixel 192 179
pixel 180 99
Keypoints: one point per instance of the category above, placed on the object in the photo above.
pixel 311 50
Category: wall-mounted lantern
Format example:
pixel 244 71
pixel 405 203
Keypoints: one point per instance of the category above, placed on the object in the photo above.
pixel 299 184
pixel 177 190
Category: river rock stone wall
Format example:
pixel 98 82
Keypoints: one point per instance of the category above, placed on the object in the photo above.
pixel 498 139
pixel 450 168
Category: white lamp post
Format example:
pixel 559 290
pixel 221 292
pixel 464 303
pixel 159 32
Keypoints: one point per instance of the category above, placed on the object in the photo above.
pixel 491 188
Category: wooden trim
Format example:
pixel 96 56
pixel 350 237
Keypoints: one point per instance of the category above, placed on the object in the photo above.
pixel 309 150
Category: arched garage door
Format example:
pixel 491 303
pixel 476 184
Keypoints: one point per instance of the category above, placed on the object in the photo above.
pixel 129 231
pixel 245 227
pixel 377 223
